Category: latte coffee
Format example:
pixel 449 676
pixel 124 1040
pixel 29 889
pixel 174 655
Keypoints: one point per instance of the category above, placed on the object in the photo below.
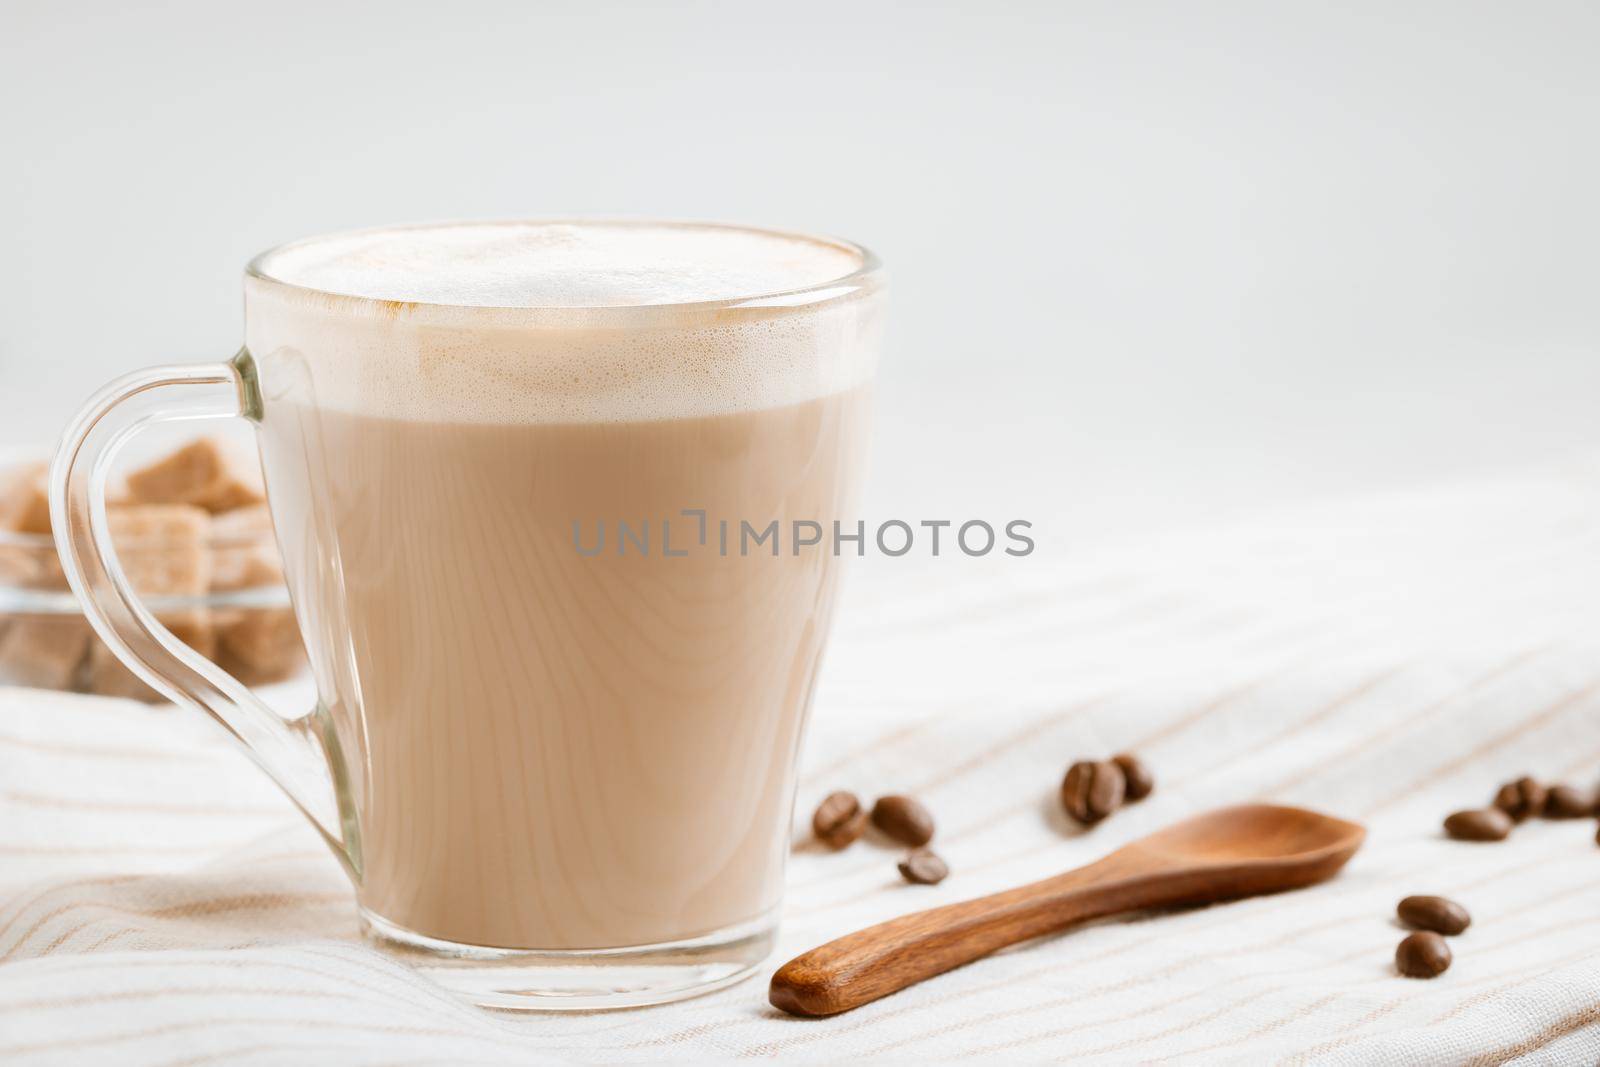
pixel 540 745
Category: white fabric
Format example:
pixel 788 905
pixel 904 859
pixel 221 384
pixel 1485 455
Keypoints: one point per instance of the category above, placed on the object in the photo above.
pixel 1388 660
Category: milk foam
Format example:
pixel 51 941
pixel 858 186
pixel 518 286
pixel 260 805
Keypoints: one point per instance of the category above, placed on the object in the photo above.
pixel 558 322
pixel 560 264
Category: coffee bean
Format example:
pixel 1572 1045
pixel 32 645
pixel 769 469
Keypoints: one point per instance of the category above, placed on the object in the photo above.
pixel 923 868
pixel 1434 913
pixel 1092 790
pixel 839 820
pixel 1569 802
pixel 1136 777
pixel 903 819
pixel 1521 799
pixel 1422 955
pixel 1482 824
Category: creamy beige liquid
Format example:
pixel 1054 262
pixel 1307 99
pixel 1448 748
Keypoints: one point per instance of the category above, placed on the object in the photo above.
pixel 540 748
pixel 547 749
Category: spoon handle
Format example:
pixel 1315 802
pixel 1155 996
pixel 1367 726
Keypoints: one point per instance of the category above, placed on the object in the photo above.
pixel 885 958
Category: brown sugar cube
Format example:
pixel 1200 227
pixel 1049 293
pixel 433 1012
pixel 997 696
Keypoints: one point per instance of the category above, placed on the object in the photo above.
pixel 162 548
pixel 252 523
pixel 109 676
pixel 207 473
pixel 24 507
pixel 255 645
pixel 31 566
pixel 49 574
pixel 245 567
pixel 43 651
pixel 20 566
pixel 244 554
pixel 258 645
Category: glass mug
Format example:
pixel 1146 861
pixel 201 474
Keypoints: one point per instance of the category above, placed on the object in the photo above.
pixel 562 662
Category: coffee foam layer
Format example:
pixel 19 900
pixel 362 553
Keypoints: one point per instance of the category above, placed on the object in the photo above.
pixel 550 364
pixel 559 264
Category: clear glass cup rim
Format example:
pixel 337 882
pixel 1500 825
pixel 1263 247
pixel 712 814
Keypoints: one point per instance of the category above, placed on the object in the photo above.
pixel 866 278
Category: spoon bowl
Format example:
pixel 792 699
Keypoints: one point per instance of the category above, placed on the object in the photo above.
pixel 1255 832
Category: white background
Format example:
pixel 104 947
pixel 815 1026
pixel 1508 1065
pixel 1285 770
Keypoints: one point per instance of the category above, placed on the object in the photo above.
pixel 1152 262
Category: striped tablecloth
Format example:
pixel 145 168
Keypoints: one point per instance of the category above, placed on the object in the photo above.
pixel 1386 659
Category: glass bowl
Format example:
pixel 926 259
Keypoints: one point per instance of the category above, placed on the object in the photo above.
pixel 234 607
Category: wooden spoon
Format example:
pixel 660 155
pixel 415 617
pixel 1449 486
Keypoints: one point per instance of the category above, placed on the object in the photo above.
pixel 1222 855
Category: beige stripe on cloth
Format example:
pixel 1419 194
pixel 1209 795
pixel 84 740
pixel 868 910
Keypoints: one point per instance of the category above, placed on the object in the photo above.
pixel 1390 658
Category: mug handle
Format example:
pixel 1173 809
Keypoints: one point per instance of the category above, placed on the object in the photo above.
pixel 300 755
